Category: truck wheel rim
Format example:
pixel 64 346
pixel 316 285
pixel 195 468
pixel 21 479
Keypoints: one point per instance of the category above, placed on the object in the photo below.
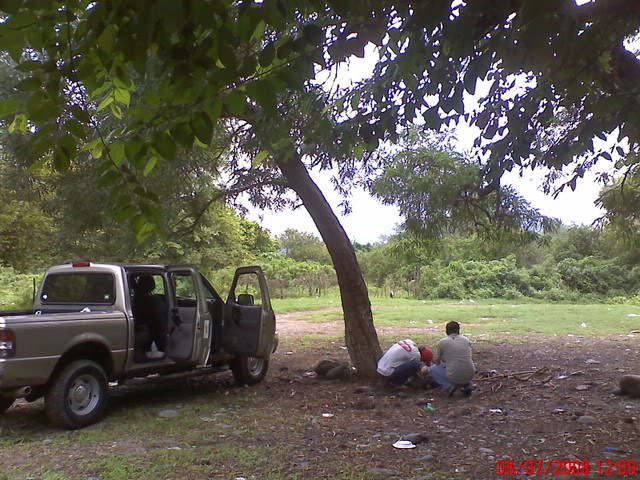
pixel 255 365
pixel 84 394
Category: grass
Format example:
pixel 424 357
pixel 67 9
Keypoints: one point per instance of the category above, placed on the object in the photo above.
pixel 491 318
pixel 288 305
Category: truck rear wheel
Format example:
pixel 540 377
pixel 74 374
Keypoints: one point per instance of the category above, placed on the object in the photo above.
pixel 5 403
pixel 249 370
pixel 78 395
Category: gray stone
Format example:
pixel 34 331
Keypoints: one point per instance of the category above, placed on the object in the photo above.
pixel 338 372
pixel 323 366
pixel 582 388
pixel 486 451
pixel 367 403
pixel 47 441
pixel 416 438
pixel 222 425
pixel 363 389
pixel 379 471
pixel 587 419
pixel 429 457
pixel 168 413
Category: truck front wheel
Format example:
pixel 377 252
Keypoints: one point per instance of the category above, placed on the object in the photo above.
pixel 5 404
pixel 78 395
pixel 249 370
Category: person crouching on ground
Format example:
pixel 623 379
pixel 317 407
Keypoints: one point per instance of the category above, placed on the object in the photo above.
pixel 403 361
pixel 453 366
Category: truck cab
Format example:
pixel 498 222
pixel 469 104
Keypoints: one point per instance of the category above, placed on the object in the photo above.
pixel 94 323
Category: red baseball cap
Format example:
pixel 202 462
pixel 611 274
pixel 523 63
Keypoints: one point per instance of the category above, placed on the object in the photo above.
pixel 426 355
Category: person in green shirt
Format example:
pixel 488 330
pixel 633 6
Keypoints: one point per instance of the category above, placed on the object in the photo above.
pixel 453 366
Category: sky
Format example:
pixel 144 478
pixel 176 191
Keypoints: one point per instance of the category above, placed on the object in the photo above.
pixel 370 221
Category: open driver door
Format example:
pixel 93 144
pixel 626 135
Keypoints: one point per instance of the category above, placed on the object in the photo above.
pixel 249 322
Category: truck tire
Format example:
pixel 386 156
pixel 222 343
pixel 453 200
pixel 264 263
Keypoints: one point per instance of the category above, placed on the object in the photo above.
pixel 5 404
pixel 78 395
pixel 249 370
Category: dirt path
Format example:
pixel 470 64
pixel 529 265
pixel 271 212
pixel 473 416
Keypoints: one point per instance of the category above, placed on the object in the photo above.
pixel 295 324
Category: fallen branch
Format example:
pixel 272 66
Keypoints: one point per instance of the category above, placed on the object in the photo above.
pixel 515 375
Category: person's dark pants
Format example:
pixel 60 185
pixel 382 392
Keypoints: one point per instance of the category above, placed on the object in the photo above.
pixel 404 372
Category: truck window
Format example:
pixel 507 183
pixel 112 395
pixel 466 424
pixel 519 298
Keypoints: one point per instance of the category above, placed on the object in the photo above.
pixel 185 287
pixel 79 288
pixel 248 284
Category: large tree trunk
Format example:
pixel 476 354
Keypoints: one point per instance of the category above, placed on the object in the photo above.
pixel 360 335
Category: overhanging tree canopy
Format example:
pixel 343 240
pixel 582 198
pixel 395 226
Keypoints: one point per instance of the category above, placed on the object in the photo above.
pixel 557 75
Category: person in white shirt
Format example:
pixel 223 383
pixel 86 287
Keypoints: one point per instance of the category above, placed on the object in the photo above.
pixel 453 366
pixel 402 361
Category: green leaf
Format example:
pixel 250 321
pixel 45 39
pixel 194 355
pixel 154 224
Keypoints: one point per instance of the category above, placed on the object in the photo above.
pixel 165 146
pixel 29 84
pixel 248 67
pixel 214 110
pixel 67 145
pixel 355 100
pixel 227 57
pixel 235 103
pixel 107 39
pixel 60 161
pixel 9 106
pixel 151 163
pixel 126 213
pixel 75 128
pixel 259 158
pixel 116 110
pixel 117 152
pixel 123 96
pixel 183 134
pixel 202 127
pixel 267 55
pixel 134 150
pixel 111 177
pixel 29 66
pixel 10 6
pixel 19 123
pixel 105 103
pixel 263 93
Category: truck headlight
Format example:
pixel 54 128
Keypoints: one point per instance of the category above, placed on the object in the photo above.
pixel 7 343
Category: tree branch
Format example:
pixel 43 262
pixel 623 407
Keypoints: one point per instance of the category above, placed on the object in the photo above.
pixel 229 193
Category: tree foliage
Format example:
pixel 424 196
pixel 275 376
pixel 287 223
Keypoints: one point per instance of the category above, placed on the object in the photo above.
pixel 436 191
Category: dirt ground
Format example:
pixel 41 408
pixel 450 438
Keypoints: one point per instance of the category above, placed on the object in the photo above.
pixel 561 407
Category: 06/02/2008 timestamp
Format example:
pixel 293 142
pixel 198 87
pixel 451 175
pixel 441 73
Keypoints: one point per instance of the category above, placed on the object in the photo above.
pixel 535 466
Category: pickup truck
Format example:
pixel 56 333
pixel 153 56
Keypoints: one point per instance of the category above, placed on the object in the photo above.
pixel 93 325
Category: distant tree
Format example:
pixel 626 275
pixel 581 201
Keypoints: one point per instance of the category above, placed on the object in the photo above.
pixel 437 194
pixel 302 246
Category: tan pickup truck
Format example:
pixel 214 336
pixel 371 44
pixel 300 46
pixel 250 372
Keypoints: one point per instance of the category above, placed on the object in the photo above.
pixel 93 324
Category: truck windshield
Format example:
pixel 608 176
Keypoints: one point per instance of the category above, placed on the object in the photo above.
pixel 79 288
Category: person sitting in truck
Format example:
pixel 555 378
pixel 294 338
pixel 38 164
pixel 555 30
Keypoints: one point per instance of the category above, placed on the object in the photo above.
pixel 150 319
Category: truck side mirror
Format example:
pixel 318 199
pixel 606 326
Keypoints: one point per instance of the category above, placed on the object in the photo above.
pixel 245 299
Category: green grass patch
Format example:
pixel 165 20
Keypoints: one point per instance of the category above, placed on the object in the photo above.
pixel 288 305
pixel 491 318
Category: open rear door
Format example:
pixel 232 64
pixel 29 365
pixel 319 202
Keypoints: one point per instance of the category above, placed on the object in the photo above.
pixel 249 321
pixel 189 318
